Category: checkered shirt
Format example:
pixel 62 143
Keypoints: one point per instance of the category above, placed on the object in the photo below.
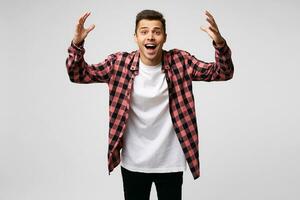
pixel 118 70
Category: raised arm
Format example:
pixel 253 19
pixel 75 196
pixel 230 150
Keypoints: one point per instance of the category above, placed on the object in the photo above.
pixel 220 70
pixel 78 70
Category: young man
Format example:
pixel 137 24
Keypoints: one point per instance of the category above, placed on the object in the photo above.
pixel 151 103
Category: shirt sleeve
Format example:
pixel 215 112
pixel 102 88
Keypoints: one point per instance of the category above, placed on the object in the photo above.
pixel 81 72
pixel 220 70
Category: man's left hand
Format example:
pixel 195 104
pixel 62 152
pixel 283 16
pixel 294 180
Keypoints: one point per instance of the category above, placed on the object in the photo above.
pixel 212 30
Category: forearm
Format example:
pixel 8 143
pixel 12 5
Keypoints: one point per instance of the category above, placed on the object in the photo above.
pixel 81 72
pixel 224 65
pixel 75 63
pixel 220 70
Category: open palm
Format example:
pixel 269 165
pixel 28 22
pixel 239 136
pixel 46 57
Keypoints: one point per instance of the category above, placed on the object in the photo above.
pixel 212 29
pixel 81 32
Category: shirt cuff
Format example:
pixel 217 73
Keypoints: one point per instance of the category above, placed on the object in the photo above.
pixel 78 46
pixel 220 49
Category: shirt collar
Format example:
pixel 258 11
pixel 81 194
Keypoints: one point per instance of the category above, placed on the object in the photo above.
pixel 135 63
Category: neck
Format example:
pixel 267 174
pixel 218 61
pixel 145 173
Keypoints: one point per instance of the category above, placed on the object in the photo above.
pixel 151 62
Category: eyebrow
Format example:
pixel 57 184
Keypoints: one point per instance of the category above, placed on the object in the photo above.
pixel 145 27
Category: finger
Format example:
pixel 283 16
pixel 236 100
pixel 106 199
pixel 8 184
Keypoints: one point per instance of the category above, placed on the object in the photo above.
pixel 210 32
pixel 80 21
pixel 91 28
pixel 213 26
pixel 213 30
pixel 86 16
pixel 203 28
pixel 211 20
pixel 210 16
pixel 212 23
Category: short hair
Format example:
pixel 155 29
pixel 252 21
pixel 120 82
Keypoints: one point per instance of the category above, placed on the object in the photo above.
pixel 150 15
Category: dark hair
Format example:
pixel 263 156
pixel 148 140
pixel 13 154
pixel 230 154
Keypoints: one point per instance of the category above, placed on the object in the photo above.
pixel 150 15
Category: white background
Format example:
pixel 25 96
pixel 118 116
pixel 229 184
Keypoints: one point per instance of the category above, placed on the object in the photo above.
pixel 54 133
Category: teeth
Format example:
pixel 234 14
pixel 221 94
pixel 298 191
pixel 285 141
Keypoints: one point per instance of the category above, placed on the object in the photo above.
pixel 150 45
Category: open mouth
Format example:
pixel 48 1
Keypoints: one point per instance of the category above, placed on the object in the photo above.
pixel 150 46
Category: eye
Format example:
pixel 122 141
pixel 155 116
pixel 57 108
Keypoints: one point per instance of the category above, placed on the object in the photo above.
pixel 157 32
pixel 143 32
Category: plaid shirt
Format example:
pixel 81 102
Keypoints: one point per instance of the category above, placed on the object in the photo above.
pixel 119 70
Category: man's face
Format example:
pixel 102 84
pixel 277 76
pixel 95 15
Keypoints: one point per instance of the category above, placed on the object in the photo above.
pixel 150 38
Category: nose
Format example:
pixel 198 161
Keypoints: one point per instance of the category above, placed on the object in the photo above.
pixel 150 36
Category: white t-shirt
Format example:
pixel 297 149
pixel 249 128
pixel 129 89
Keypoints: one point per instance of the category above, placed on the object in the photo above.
pixel 149 143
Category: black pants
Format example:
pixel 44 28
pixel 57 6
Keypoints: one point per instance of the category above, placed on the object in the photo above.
pixel 137 185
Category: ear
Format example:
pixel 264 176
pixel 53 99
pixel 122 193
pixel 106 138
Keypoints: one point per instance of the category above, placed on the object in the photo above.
pixel 135 37
pixel 165 38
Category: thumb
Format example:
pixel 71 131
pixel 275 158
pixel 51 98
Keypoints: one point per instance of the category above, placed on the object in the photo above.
pixel 203 28
pixel 91 28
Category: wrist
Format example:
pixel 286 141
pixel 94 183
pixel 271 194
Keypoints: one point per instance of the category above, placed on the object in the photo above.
pixel 220 43
pixel 76 42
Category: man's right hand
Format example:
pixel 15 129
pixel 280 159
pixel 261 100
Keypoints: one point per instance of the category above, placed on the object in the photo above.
pixel 80 31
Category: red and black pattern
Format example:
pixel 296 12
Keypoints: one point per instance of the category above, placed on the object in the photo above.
pixel 119 70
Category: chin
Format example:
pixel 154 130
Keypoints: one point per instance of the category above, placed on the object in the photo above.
pixel 152 58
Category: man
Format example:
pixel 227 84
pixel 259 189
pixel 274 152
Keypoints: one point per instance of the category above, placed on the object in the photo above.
pixel 152 111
